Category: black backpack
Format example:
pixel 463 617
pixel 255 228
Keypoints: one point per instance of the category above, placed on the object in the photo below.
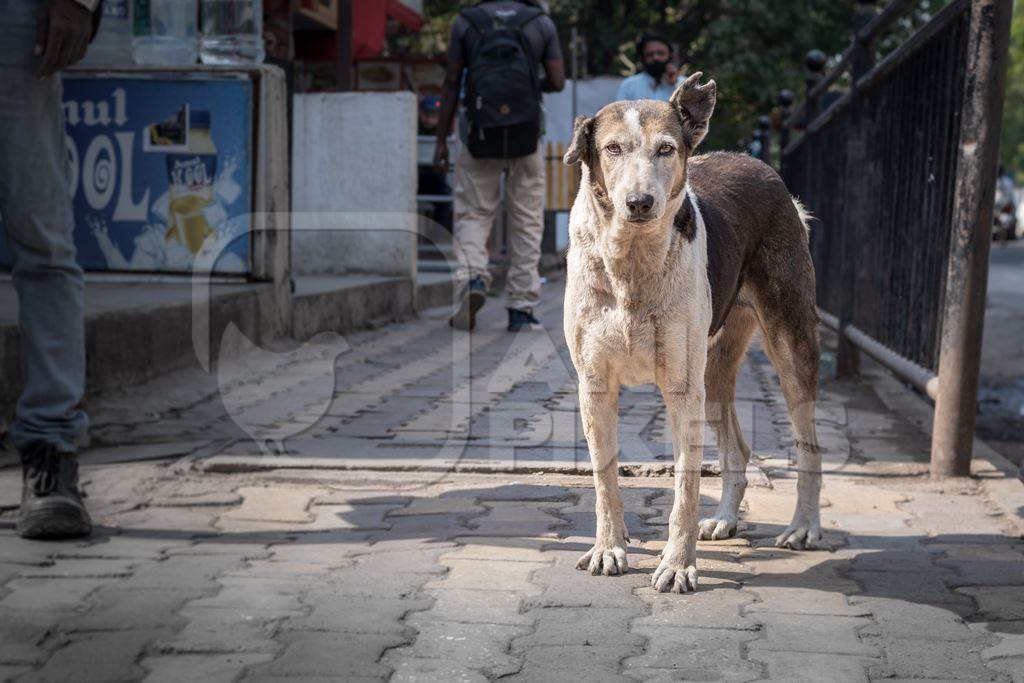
pixel 502 88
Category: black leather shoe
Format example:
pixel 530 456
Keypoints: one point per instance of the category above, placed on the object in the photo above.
pixel 51 506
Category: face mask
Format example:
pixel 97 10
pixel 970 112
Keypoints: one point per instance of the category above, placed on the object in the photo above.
pixel 656 69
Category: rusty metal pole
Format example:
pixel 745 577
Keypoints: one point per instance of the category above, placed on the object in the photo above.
pixel 967 273
pixel 856 217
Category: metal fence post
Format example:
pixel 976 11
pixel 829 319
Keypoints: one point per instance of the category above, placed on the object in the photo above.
pixel 967 272
pixel 815 63
pixel 858 194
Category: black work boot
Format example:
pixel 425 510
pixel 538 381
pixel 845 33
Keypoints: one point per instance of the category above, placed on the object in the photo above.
pixel 51 506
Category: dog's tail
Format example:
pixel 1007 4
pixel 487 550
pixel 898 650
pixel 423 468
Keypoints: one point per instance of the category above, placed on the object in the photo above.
pixel 804 213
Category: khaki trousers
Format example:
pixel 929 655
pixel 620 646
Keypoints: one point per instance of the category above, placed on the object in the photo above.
pixel 477 196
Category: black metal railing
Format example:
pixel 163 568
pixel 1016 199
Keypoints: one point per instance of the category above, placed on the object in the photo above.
pixel 899 171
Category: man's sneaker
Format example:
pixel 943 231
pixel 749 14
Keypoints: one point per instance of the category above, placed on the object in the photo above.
pixel 51 506
pixel 521 319
pixel 472 301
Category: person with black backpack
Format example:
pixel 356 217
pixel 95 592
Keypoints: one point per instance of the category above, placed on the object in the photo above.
pixel 497 48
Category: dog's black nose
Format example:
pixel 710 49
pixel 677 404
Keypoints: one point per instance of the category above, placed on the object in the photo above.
pixel 639 203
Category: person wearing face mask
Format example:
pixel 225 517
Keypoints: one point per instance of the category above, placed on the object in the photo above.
pixel 659 76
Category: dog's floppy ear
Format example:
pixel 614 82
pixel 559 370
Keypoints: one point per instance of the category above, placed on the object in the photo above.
pixel 582 145
pixel 694 103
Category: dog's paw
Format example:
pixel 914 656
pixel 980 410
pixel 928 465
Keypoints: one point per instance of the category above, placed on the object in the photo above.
pixel 674 577
pixel 606 560
pixel 801 537
pixel 717 528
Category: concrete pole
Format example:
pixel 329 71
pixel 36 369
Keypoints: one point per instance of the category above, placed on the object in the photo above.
pixel 967 274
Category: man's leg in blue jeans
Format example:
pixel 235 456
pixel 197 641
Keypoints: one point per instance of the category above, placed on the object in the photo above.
pixel 37 217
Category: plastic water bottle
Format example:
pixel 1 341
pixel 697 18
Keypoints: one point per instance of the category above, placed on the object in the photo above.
pixel 164 32
pixel 113 44
pixel 232 32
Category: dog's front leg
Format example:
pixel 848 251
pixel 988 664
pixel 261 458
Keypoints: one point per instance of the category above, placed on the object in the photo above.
pixel 599 409
pixel 677 571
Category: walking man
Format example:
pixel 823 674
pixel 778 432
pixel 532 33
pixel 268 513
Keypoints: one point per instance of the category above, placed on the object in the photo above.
pixel 499 45
pixel 660 75
pixel 39 38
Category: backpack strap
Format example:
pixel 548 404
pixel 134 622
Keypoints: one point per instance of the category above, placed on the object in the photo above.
pixel 478 18
pixel 484 22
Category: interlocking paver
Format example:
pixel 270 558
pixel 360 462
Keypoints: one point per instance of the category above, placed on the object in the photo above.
pixel 290 569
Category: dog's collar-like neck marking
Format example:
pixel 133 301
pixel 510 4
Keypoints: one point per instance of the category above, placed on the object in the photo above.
pixel 686 218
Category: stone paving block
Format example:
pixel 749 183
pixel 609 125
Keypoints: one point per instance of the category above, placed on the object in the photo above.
pixel 694 653
pixel 516 518
pixel 420 670
pixel 49 595
pixel 575 663
pixel 206 668
pixel 997 603
pixel 115 608
pixel 811 633
pixel 562 585
pixel 473 606
pixel 9 672
pixel 580 627
pixel 222 630
pixel 358 615
pixel 99 657
pixel 786 600
pixel 814 667
pixel 921 658
pixel 486 575
pixel 335 656
pixel 1010 635
pixel 707 608
pixel 500 548
pixel 925 588
pixel 195 571
pixel 274 504
pixel 185 522
pixel 903 619
pixel 481 647
pixel 439 506
pixel 96 568
pixel 209 498
pixel 253 595
pixel 22 636
pixel 365 580
pixel 19 551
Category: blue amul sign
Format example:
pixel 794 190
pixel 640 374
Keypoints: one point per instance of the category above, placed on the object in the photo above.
pixel 160 172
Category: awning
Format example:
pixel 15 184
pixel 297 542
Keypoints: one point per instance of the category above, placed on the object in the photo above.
pixel 370 20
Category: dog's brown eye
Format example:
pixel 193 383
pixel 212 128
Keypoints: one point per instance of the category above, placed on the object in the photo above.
pixel 666 149
pixel 614 149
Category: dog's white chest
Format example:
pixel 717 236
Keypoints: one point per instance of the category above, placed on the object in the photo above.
pixel 626 343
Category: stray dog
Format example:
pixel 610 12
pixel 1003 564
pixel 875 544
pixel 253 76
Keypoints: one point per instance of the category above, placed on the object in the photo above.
pixel 674 261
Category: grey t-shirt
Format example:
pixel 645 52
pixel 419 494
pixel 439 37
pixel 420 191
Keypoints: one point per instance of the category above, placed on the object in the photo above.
pixel 540 33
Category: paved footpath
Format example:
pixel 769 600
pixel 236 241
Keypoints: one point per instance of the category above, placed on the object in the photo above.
pixel 423 521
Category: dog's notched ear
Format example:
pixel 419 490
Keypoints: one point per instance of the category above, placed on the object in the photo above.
pixel 695 103
pixel 582 141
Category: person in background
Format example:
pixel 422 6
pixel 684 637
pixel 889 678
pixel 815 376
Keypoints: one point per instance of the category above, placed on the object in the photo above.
pixel 430 115
pixel 660 75
pixel 499 45
pixel 432 181
pixel 39 38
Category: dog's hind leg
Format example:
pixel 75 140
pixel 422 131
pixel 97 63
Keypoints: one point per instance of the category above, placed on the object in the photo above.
pixel 725 355
pixel 791 341
pixel 599 410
